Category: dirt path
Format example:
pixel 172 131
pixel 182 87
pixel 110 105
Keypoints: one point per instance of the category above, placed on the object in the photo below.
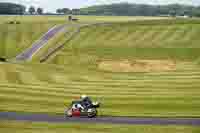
pixel 103 119
pixel 28 53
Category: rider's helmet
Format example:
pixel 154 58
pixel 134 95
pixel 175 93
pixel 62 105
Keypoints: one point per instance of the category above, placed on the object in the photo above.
pixel 83 96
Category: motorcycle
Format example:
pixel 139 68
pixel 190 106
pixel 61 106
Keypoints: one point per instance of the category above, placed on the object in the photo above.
pixel 90 111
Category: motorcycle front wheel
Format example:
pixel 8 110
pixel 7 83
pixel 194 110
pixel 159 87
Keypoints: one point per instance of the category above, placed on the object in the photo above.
pixel 92 113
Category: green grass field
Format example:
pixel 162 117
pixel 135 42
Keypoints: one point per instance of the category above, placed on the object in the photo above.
pixel 75 70
pixel 15 38
pixel 172 93
pixel 33 19
pixel 24 127
pixel 156 64
pixel 63 18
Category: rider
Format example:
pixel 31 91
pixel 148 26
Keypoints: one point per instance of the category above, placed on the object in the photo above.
pixel 86 101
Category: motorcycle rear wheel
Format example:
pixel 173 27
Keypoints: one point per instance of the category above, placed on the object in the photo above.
pixel 68 113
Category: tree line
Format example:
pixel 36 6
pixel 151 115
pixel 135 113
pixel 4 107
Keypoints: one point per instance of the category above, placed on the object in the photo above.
pixel 32 10
pixel 11 9
pixel 68 11
pixel 127 9
pixel 120 9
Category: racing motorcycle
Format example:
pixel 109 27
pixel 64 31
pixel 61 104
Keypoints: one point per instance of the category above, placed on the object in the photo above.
pixel 89 111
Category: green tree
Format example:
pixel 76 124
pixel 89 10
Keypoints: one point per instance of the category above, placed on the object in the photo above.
pixel 66 11
pixel 10 8
pixel 59 11
pixel 32 10
pixel 40 11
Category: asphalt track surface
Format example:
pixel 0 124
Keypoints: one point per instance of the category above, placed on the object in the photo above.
pixel 103 119
pixel 27 54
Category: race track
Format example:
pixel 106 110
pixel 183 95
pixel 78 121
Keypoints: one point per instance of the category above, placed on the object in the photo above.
pixel 103 119
pixel 27 54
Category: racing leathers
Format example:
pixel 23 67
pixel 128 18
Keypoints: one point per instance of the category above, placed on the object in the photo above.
pixel 86 102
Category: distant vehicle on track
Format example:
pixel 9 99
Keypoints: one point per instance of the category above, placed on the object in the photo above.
pixel 70 18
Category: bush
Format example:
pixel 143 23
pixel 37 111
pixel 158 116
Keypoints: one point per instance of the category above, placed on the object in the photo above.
pixel 2 59
pixel 17 22
pixel 14 22
pixel 11 22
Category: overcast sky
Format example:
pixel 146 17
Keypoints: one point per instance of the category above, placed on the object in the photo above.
pixel 52 5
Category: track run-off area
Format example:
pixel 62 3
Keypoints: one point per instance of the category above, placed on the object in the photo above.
pixel 100 119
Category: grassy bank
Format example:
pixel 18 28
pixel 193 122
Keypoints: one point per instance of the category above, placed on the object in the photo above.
pixel 77 69
pixel 156 94
pixel 16 38
pixel 24 127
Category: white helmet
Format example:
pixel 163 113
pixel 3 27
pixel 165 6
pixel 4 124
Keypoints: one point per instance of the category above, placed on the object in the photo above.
pixel 83 96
